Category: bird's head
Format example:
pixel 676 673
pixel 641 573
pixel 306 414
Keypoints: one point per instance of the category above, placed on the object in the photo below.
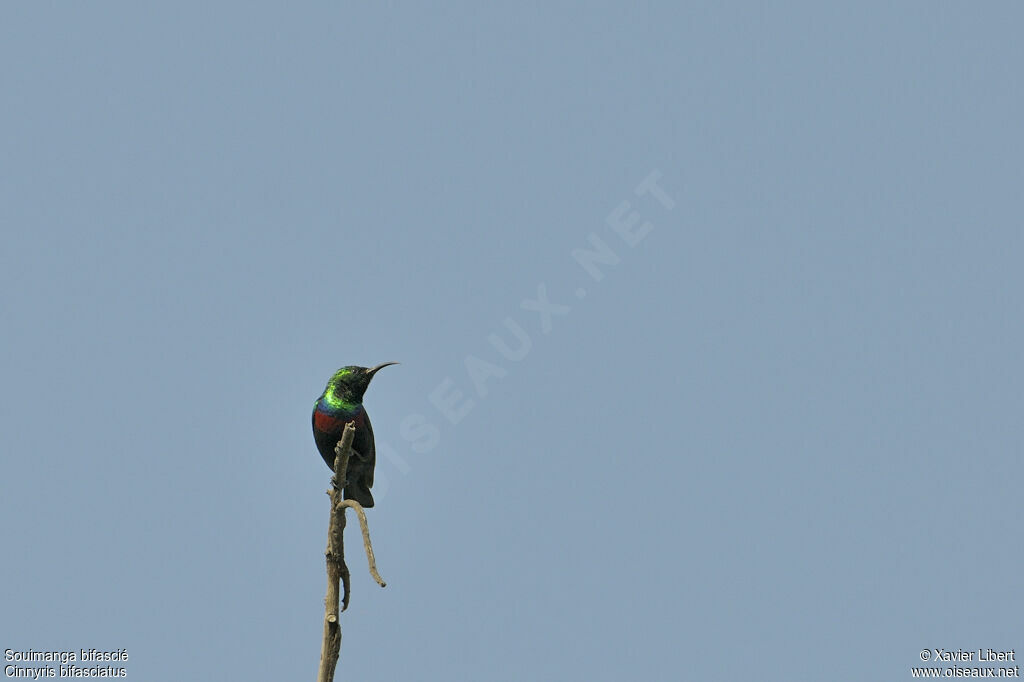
pixel 348 384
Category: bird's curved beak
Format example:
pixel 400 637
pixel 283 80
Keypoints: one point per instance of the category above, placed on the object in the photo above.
pixel 373 370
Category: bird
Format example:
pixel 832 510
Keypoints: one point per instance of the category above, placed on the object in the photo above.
pixel 341 403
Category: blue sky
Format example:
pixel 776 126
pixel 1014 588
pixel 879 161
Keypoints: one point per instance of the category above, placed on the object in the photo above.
pixel 779 436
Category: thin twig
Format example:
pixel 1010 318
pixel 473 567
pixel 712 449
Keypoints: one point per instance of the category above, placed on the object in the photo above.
pixel 366 539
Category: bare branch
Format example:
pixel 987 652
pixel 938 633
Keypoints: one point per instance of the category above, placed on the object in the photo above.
pixel 337 571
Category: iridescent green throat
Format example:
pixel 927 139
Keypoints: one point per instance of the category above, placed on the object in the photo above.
pixel 336 402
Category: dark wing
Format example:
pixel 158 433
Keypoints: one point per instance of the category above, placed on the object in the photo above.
pixel 362 443
pixel 361 464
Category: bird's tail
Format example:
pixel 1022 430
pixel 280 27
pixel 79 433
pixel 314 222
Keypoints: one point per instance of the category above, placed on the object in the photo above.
pixel 355 490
